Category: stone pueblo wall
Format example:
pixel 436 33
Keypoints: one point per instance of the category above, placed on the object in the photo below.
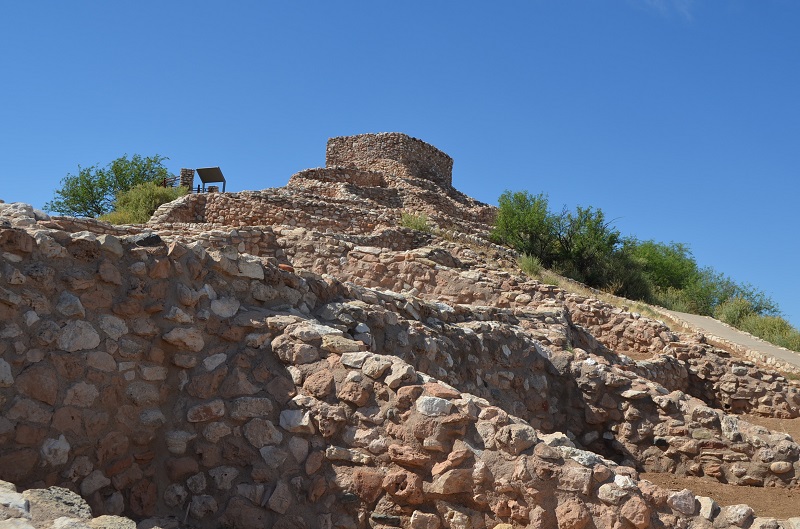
pixel 216 388
pixel 291 358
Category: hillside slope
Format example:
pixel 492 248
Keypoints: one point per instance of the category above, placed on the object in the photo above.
pixel 292 358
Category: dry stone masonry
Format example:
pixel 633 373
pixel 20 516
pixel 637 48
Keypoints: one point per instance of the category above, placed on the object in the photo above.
pixel 292 358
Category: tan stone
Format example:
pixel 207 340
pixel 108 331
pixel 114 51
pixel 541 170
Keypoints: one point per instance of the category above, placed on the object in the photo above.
pixel 319 384
pixel 572 514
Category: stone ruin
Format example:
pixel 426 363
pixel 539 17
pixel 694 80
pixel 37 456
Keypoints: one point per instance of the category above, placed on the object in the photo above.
pixel 293 358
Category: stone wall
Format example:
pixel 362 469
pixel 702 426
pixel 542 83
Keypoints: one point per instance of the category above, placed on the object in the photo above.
pixel 393 154
pixel 163 378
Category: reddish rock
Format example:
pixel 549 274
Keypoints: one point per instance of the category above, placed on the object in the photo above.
pixel 29 435
pixel 408 456
pixel 97 299
pixel 317 488
pixel 572 514
pixel 405 487
pixel 206 385
pixel 113 445
pixel 143 498
pixel 354 393
pixel 367 484
pixel 636 511
pixel 407 395
pixel 237 385
pixel 68 419
pixel 39 382
pixel 181 467
pixel 208 411
pixel 17 465
pixel 437 390
pixel 320 384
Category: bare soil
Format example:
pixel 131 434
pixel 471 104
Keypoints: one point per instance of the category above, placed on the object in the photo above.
pixel 769 502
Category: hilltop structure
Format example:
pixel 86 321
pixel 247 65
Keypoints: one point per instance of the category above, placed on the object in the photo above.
pixel 292 358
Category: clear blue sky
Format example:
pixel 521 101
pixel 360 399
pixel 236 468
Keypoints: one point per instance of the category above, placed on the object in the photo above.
pixel 679 118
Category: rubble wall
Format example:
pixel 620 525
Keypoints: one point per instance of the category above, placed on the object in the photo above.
pixel 393 154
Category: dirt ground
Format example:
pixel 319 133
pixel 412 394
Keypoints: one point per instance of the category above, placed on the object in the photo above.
pixel 768 502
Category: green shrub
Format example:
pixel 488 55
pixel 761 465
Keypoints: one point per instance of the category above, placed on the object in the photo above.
pixel 524 223
pixel 137 205
pixel 417 222
pixel 733 311
pixel 773 329
pixel 530 264
pixel 120 217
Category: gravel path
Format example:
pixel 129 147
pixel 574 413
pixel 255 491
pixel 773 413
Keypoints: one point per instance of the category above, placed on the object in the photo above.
pixel 708 325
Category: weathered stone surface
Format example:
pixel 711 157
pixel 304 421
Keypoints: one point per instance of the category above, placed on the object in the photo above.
pixel 225 307
pixel 296 421
pixel 572 514
pixel 78 336
pixel 683 502
pixel 113 327
pixel 223 476
pixel 433 406
pixel 423 520
pixel 738 515
pixel 207 411
pixel 81 395
pixel 191 339
pixel 69 305
pixel 6 376
pixel 94 482
pixel 319 384
pixel 611 494
pixel 250 407
pixel 780 467
pixel 55 452
pixel 39 382
pixel 281 498
pixel 454 481
pixel 261 432
pixel 516 438
pixel 293 358
pixel 636 511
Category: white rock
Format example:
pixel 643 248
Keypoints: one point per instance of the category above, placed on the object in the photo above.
pixel 111 244
pixel 6 378
pixel 355 360
pixel 69 305
pixel 250 266
pixel 30 318
pixel 78 336
pixel 213 361
pixel 94 482
pixel 225 307
pixel 683 502
pixel 708 507
pixel 433 406
pixel 55 451
pixel 296 421
pixel 114 327
pixel 399 374
pixel 625 482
